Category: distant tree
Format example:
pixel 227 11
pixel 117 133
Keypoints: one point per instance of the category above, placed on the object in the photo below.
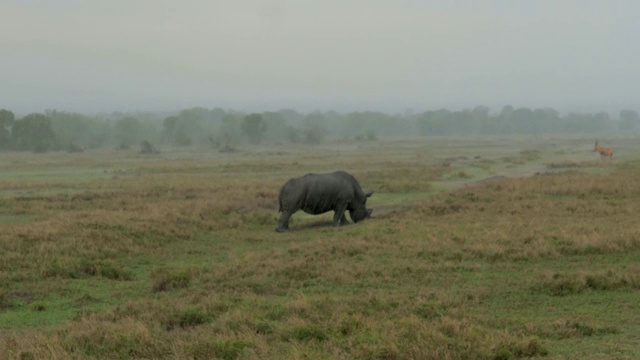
pixel 293 134
pixel 354 124
pixel 33 133
pixel 276 126
pixel 480 113
pixel 147 148
pixel 523 120
pixel 629 120
pixel 230 129
pixel 435 123
pixel 217 114
pixel 314 128
pixel 598 122
pixel 253 127
pixel 546 120
pixel 571 122
pixel 462 122
pixel 586 123
pixel 73 148
pixel 506 111
pixel 77 129
pixel 192 126
pixel 291 116
pixel 358 123
pixel 174 131
pixel 127 131
pixel 371 135
pixel 7 118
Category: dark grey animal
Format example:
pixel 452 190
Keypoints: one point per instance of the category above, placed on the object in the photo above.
pixel 318 193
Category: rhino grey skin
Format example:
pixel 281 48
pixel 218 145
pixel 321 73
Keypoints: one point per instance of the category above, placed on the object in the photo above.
pixel 318 193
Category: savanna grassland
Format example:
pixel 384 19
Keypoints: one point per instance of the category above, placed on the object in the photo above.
pixel 479 248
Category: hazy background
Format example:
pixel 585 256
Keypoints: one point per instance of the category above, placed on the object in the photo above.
pixel 93 56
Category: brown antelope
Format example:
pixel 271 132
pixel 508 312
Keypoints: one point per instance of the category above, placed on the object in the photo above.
pixel 604 151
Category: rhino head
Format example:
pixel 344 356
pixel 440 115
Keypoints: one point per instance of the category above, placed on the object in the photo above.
pixel 359 210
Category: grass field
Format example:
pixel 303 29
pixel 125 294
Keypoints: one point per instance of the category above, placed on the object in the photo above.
pixel 479 248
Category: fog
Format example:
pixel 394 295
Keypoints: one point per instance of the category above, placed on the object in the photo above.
pixel 390 56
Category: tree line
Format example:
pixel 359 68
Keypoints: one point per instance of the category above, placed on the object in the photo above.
pixel 60 130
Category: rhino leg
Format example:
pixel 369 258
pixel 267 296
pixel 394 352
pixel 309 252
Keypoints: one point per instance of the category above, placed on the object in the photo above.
pixel 338 216
pixel 283 222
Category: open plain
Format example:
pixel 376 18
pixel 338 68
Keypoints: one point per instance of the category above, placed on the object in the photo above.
pixel 479 248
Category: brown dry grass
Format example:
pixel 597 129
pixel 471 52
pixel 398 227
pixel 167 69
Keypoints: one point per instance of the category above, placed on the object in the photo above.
pixel 176 257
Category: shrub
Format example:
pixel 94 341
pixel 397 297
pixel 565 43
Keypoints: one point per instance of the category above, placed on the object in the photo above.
pixel 147 148
pixel 428 310
pixel 124 339
pixel 306 333
pixel 568 284
pixel 167 279
pixel 264 328
pixel 186 318
pixel 227 349
pixel 78 269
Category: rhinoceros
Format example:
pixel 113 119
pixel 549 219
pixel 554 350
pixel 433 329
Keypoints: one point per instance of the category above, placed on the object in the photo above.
pixel 318 193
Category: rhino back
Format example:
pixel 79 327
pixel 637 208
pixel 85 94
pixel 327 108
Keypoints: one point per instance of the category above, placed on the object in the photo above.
pixel 329 185
pixel 317 193
pixel 358 193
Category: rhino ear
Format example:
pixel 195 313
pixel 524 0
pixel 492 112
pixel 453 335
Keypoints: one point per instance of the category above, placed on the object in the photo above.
pixel 368 194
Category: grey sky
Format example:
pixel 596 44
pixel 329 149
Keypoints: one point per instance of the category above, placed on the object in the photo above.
pixel 122 55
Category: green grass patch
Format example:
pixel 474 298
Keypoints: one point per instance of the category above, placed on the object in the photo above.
pixel 469 254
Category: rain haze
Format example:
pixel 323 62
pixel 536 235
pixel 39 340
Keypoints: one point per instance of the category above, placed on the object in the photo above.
pixel 95 56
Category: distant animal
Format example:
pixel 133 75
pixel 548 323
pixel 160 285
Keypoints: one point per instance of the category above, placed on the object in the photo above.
pixel 604 151
pixel 319 193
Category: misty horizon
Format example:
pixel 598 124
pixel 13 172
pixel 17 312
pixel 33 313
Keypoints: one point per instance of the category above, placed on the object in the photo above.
pixel 96 57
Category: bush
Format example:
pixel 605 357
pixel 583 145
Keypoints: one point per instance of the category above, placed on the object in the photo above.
pixel 125 339
pixel 307 333
pixel 227 349
pixel 523 348
pixel 167 279
pixel 186 318
pixel 147 148
pixel 84 268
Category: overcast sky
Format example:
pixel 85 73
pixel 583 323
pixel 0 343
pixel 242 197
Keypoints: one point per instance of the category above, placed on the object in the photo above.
pixel 257 55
